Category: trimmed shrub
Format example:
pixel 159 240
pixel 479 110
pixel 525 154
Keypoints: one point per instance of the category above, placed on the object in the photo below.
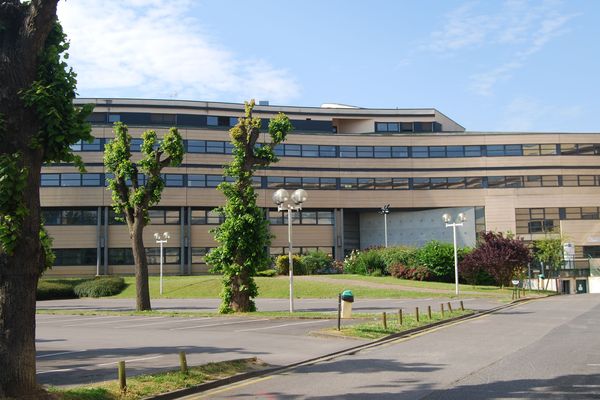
pixel 439 259
pixel 100 287
pixel 267 273
pixel 399 255
pixel 282 265
pixel 365 263
pixel 51 290
pixel 419 273
pixel 317 262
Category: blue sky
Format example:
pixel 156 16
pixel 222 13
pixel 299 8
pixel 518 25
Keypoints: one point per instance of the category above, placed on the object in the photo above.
pixel 490 65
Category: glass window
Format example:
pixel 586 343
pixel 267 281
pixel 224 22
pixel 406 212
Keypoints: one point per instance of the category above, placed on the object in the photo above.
pixel 591 251
pixel 456 183
pixel 531 149
pixel 327 151
pixel 382 151
pixel 585 149
pixel 400 151
pixel 381 127
pixel 495 150
pixel 196 146
pixel 589 212
pixel 70 180
pixel 472 151
pixel 587 180
pixel 348 151
pixel 51 216
pixel 198 254
pixel 275 217
pixel 120 256
pixel 325 217
pixel 513 150
pixel 406 127
pixel 514 181
pixel 216 147
pixel 496 182
pixel 421 184
pixel 533 181
pixel 196 180
pixel 212 120
pixel 348 183
pixel 548 149
pixel 309 217
pixel 474 182
pixel 455 151
pixel 279 150
pixel 310 183
pixel 568 149
pixel 364 151
pixel 293 150
pixel 76 146
pixel 198 217
pixel 573 213
pixel 171 255
pixel 172 217
pixel 383 183
pixel 550 180
pixel 366 183
pixel 293 182
pixel 400 183
pixel 50 180
pixel 213 180
pixel 570 180
pixel 275 182
pixel 91 180
pixel 94 145
pixel 174 180
pixel 437 151
pixel 257 182
pixel 438 183
pixel 393 127
pixel 114 118
pixel 328 183
pixel 420 152
pixel 310 150
pixel 214 217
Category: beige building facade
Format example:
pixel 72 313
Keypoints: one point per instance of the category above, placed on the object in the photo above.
pixel 351 161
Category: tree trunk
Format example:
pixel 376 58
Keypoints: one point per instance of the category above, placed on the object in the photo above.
pixel 141 263
pixel 240 300
pixel 19 274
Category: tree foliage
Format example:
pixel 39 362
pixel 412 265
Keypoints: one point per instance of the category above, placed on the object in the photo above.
pixel 137 186
pixel 438 257
pixel 244 236
pixel 549 251
pixel 503 257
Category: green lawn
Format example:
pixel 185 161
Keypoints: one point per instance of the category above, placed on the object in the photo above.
pixel 210 287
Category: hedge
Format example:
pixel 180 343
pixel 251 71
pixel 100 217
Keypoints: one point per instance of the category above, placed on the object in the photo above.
pixel 100 287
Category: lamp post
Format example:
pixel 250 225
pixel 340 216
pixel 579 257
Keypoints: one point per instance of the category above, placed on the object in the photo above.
pixel 385 210
pixel 161 239
pixel 280 197
pixel 460 218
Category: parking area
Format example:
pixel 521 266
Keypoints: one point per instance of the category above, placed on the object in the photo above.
pixel 84 349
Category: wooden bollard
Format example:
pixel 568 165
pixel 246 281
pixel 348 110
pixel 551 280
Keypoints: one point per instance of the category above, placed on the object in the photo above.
pixel 450 307
pixel 384 319
pixel 417 313
pixel 442 308
pixel 122 376
pixel 462 306
pixel 429 311
pixel 183 363
pixel 400 316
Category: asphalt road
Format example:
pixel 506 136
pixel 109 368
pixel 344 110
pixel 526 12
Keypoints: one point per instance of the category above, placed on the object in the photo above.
pixel 80 349
pixel 545 349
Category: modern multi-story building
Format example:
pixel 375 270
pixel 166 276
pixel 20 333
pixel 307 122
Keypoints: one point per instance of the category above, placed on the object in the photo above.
pixel 351 161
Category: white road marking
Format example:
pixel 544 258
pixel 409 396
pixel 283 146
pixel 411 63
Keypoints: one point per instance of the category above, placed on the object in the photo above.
pixel 171 320
pixel 61 353
pixel 226 323
pixel 81 318
pixel 97 365
pixel 129 361
pixel 110 322
pixel 280 326
pixel 593 365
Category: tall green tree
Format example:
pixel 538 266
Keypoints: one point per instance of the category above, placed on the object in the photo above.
pixel 137 186
pixel 38 123
pixel 244 235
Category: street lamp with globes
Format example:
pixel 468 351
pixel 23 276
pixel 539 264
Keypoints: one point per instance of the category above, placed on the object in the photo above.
pixel 280 198
pixel 161 239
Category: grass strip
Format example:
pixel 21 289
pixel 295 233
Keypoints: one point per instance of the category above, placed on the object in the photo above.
pixel 374 329
pixel 213 314
pixel 142 386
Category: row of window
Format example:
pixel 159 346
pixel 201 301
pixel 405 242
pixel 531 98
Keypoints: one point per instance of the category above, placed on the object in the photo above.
pixel 277 182
pixel 160 216
pixel 545 220
pixel 333 151
pixel 408 127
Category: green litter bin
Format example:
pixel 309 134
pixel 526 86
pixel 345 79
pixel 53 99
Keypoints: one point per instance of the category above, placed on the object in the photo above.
pixel 347 300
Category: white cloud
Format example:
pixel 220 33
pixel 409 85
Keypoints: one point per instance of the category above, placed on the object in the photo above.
pixel 517 30
pixel 151 48
pixel 527 114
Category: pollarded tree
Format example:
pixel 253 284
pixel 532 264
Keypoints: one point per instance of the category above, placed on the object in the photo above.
pixel 38 123
pixel 503 257
pixel 137 186
pixel 244 235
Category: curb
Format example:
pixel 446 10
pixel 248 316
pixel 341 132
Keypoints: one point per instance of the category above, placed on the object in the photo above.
pixel 351 350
